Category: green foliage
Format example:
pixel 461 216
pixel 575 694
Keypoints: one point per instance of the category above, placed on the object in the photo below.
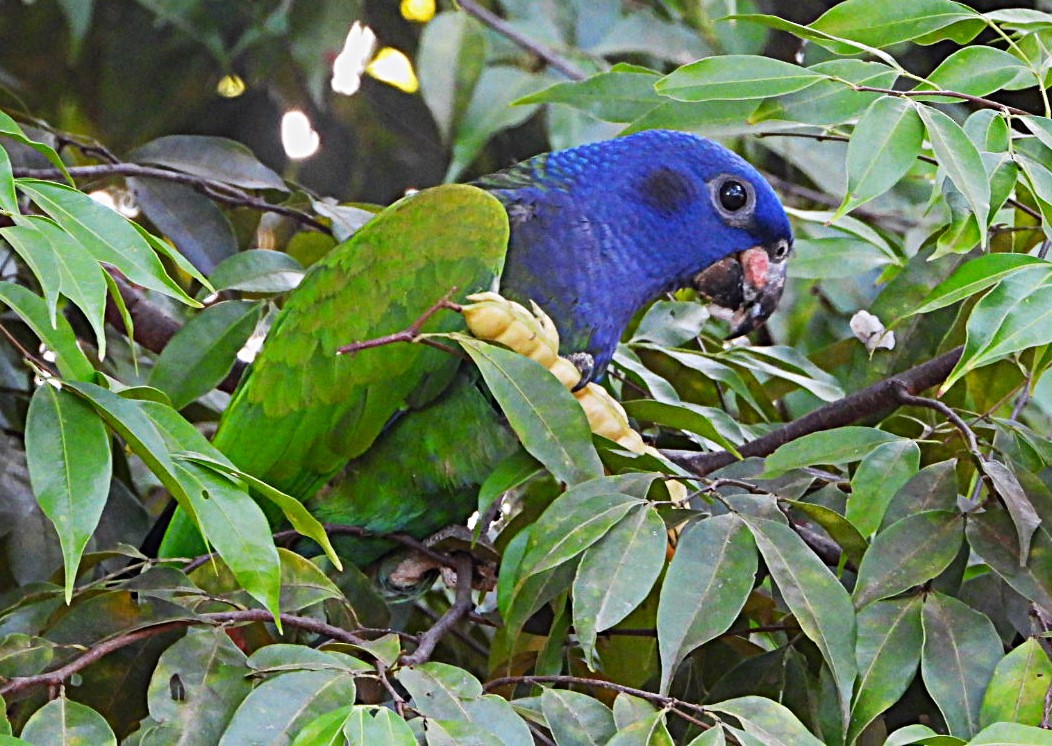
pixel 885 577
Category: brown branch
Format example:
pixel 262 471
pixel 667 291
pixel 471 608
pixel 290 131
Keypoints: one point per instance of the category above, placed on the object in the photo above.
pixel 905 397
pixel 926 159
pixel 153 328
pixel 508 31
pixel 19 684
pixel 216 190
pixel 660 699
pixel 879 397
pixel 410 334
pixel 337 529
pixel 462 604
pixel 979 101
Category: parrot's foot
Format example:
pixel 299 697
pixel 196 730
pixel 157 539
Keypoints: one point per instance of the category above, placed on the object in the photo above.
pixel 584 363
pixel 411 572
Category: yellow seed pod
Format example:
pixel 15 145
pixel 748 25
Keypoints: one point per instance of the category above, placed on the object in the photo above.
pixel 496 319
pixel 605 415
pixel 488 316
pixel 566 372
pixel 632 440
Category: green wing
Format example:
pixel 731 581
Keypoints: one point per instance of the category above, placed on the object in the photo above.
pixel 303 411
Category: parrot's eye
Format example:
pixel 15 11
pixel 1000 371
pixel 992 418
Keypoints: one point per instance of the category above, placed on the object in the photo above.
pixel 781 250
pixel 733 196
pixel 734 199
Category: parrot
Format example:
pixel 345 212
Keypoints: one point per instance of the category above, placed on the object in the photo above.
pixel 399 437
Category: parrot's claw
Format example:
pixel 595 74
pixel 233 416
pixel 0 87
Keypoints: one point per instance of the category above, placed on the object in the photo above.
pixel 585 363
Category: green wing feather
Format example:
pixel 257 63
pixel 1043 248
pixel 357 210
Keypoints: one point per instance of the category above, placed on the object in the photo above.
pixel 302 412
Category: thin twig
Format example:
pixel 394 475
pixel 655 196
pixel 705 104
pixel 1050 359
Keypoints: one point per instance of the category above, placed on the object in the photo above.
pixel 18 684
pixel 926 159
pixel 905 397
pixel 979 101
pixel 506 30
pixel 462 604
pixel 337 529
pixel 669 702
pixel 881 396
pixel 215 190
pixel 410 334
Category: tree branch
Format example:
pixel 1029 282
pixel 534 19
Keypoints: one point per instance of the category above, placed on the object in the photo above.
pixel 57 677
pixel 879 397
pixel 461 606
pixel 216 190
pixel 984 103
pixel 509 32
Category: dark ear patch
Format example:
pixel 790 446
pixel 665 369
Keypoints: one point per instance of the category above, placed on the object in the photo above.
pixel 667 190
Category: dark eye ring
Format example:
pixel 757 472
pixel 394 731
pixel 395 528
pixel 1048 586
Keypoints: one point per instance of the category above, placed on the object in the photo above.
pixel 733 195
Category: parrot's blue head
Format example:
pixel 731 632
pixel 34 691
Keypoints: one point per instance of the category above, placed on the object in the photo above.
pixel 601 229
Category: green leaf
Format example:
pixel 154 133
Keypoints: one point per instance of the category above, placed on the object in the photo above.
pixel 327 729
pixel 80 276
pixel 230 519
pixel 549 422
pixel 908 553
pixel 364 729
pixel 576 719
pixel 278 708
pixel 616 574
pixel 213 674
pixel 107 236
pixel 68 455
pixel 37 253
pixel 829 101
pixel 735 77
pixel 839 528
pixel 447 693
pixel 59 338
pixel 294 511
pixel 9 128
pixel 706 586
pixel 789 364
pixel 883 147
pixel 622 94
pixel 960 159
pixel 920 734
pixel 562 533
pixel 993 537
pixel 1012 734
pixel 1016 693
pixel 841 445
pixel 62 722
pixel 215 158
pixel 961 650
pixel 811 258
pixel 817 599
pixel 490 111
pixel 647 731
pixel 881 24
pixel 450 57
pixel 187 218
pixel 888 652
pixel 770 721
pixel 8 196
pixel 932 488
pixel 974 276
pixel 836 44
pixel 691 418
pixel 979 70
pixel 204 350
pixel 1023 513
pixel 877 479
pixel 713 118
pixel 257 271
pixel 512 472
pixel 1012 317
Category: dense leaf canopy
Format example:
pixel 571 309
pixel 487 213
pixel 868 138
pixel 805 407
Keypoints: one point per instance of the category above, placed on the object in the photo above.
pixel 844 535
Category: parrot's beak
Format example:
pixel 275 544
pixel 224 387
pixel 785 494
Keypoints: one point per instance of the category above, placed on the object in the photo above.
pixel 744 288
